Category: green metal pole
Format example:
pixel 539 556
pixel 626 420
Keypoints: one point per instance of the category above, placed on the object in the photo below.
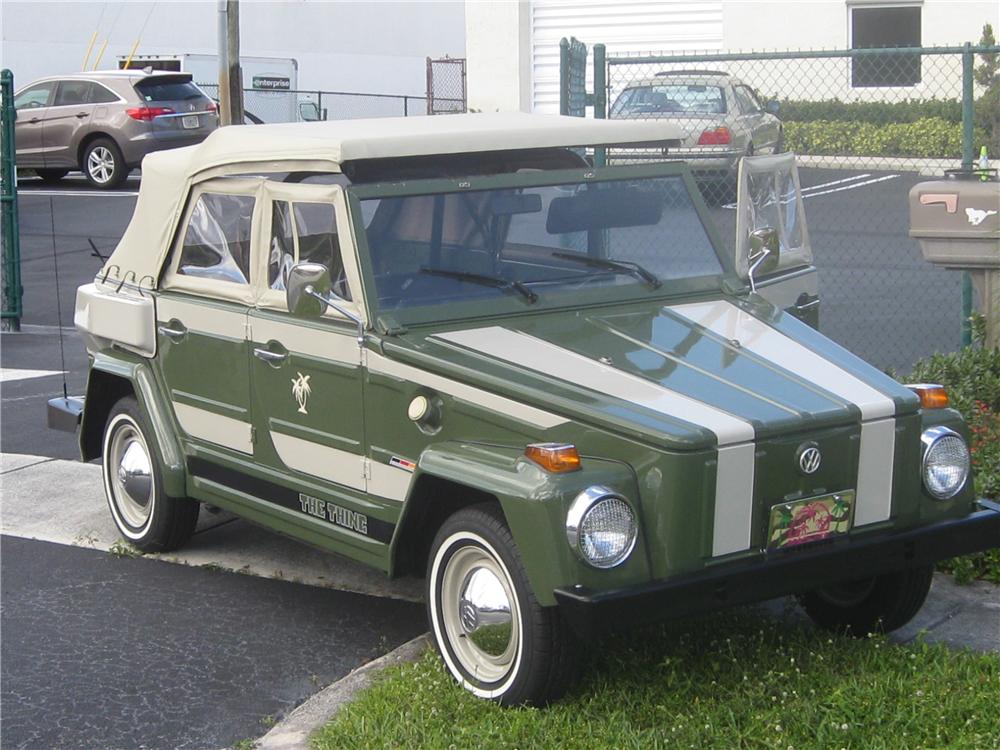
pixel 968 148
pixel 564 76
pixel 600 97
pixel 12 292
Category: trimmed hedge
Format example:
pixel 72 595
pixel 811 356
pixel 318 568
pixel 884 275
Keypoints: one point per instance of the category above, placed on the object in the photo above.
pixel 877 113
pixel 930 137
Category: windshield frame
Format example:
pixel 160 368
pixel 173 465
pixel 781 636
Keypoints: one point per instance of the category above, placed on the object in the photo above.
pixel 513 305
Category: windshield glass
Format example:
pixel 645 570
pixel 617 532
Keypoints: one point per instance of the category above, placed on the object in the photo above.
pixel 535 244
pixel 677 98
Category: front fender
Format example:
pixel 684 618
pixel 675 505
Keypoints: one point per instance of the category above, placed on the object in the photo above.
pixel 138 373
pixel 534 503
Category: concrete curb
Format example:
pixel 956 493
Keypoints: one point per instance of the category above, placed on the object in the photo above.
pixel 294 731
pixel 921 166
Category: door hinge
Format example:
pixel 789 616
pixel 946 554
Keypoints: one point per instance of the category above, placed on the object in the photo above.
pixel 253 436
pixel 366 468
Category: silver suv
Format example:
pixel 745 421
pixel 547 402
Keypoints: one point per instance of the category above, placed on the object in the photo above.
pixel 103 123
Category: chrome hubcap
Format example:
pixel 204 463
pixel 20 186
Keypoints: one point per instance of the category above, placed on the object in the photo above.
pixel 101 164
pixel 480 614
pixel 132 476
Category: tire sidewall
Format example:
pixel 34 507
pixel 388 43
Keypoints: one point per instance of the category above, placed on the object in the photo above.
pixel 126 413
pixel 455 539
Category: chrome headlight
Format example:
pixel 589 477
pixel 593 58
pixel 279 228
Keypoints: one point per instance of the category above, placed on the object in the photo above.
pixel 601 527
pixel 946 462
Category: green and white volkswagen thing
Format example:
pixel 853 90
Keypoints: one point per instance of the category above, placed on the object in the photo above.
pixel 452 347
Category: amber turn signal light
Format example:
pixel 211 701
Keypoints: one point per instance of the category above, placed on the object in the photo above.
pixel 931 396
pixel 555 457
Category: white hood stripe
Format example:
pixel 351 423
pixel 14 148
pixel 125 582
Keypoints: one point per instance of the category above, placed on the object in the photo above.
pixel 878 430
pixel 731 323
pixel 534 354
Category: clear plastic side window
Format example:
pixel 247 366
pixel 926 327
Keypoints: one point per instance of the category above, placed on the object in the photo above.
pixel 217 240
pixel 305 233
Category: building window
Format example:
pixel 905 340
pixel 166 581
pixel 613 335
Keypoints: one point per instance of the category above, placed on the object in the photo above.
pixel 875 27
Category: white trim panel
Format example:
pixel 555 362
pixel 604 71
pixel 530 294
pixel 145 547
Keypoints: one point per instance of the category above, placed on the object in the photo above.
pixel 730 322
pixel 204 318
pixel 319 343
pixel 878 448
pixel 513 409
pixel 389 482
pixel 214 428
pixel 733 499
pixel 549 359
pixel 331 464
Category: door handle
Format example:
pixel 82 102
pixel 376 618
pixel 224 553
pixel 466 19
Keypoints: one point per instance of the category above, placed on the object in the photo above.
pixel 33 120
pixel 804 302
pixel 173 330
pixel 271 357
pixel 82 114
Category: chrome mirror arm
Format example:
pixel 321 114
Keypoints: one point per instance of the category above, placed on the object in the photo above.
pixel 764 252
pixel 346 313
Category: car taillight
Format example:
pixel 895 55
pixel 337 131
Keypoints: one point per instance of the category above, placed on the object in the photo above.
pixel 147 113
pixel 715 137
pixel 212 107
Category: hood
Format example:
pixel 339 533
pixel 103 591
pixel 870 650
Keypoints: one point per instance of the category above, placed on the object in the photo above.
pixel 686 376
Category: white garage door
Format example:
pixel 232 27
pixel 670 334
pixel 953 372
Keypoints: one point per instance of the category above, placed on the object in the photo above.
pixel 624 26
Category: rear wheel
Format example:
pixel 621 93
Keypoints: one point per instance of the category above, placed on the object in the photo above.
pixel 133 484
pixel 51 175
pixel 871 605
pixel 494 637
pixel 103 164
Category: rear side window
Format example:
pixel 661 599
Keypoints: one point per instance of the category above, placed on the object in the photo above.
pixel 169 90
pixel 217 239
pixel 101 95
pixel 72 92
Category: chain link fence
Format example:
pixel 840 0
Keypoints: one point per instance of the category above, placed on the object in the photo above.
pixel 267 106
pixel 865 125
pixel 446 92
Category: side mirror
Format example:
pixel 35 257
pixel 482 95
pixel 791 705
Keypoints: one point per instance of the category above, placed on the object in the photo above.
pixel 308 112
pixel 765 253
pixel 308 294
pixel 772 107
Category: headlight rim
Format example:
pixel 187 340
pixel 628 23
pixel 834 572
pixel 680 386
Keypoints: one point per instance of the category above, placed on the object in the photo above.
pixel 931 437
pixel 583 503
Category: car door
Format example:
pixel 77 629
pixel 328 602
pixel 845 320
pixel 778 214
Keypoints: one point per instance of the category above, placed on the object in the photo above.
pixel 764 127
pixel 67 120
pixel 32 107
pixel 770 196
pixel 306 373
pixel 202 313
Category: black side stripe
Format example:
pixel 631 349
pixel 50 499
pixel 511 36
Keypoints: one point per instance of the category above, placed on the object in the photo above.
pixel 277 494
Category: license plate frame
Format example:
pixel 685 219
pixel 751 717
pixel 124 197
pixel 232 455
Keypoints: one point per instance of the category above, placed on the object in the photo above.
pixel 810 520
pixel 190 122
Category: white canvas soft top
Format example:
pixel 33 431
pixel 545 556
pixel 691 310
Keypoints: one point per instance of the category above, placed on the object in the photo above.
pixel 168 175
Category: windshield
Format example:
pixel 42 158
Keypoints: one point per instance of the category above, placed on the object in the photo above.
pixel 535 244
pixel 677 98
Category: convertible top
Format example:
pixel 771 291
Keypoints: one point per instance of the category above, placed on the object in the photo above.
pixel 326 146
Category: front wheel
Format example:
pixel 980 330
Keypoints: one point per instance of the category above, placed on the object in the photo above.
pixel 494 637
pixel 871 605
pixel 133 486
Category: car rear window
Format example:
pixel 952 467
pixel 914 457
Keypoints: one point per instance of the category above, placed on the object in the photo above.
pixel 676 98
pixel 168 90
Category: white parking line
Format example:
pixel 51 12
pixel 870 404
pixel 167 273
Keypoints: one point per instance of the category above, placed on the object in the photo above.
pixel 8 374
pixel 87 193
pixel 852 186
pixel 810 192
pixel 835 182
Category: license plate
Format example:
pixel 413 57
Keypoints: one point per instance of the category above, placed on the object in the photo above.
pixel 189 121
pixel 810 520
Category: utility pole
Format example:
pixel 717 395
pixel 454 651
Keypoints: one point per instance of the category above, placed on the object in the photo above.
pixel 230 75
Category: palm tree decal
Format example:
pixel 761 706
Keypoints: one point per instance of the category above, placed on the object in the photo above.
pixel 301 391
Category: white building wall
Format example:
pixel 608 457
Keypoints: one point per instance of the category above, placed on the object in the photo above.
pixel 377 47
pixel 498 73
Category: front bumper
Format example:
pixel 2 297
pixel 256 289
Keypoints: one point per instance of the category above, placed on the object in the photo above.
pixel 780 573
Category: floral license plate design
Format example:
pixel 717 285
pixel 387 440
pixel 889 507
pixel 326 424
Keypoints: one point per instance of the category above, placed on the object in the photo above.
pixel 810 520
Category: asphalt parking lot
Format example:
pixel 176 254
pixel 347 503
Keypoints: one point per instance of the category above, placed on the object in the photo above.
pixel 103 651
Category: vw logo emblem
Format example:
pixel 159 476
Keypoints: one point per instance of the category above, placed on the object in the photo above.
pixel 809 458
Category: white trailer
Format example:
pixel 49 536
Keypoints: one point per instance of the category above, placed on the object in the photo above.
pixel 270 84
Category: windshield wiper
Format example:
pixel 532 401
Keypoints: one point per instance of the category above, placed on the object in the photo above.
pixel 618 266
pixel 497 282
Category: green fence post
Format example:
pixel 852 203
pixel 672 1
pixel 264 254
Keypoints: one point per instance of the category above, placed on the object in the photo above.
pixel 564 76
pixel 600 98
pixel 968 149
pixel 11 313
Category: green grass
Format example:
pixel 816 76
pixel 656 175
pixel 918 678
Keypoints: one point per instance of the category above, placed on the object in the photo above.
pixel 738 679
